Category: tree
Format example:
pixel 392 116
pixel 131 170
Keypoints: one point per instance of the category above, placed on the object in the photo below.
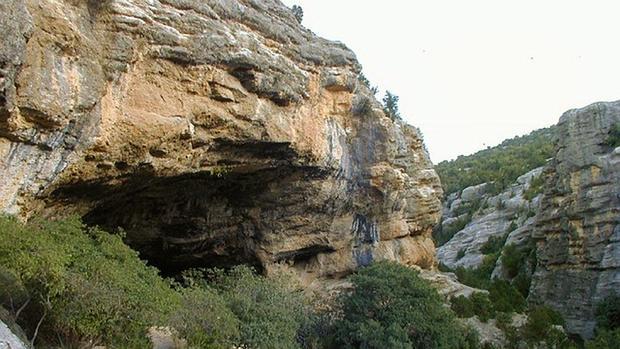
pixel 298 12
pixel 390 105
pixel 392 307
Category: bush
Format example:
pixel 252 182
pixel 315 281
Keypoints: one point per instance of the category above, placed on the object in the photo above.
pixel 298 12
pixel 390 306
pixel 462 306
pixel 505 297
pixel 483 307
pixel 613 140
pixel 501 164
pixel 460 254
pixel 494 244
pixel 270 312
pixel 82 284
pixel 605 339
pixel 608 313
pixel 539 325
pixel 535 188
pixel 205 320
pixel 441 236
pixel 513 260
pixel 479 277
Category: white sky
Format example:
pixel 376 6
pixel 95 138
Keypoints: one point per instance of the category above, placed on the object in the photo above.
pixel 473 73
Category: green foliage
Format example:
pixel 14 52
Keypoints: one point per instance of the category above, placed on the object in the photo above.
pixel 483 307
pixel 501 164
pixel 505 297
pixel 390 105
pixel 84 284
pixel 479 277
pixel 270 311
pixel 535 188
pixel 442 235
pixel 205 320
pixel 613 140
pixel 298 12
pixel 390 306
pixel 608 313
pixel 513 259
pixel 460 254
pixel 494 244
pixel 539 325
pixel 462 306
pixel 605 339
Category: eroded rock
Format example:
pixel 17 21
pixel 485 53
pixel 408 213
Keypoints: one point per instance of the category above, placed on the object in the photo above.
pixel 577 231
pixel 214 133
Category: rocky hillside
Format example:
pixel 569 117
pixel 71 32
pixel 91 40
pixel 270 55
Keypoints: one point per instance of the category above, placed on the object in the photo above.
pixel 577 231
pixel 214 133
pixel 554 231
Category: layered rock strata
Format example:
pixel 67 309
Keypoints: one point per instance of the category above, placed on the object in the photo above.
pixel 578 229
pixel 213 132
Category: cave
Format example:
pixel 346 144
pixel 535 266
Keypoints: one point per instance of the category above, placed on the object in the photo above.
pixel 217 218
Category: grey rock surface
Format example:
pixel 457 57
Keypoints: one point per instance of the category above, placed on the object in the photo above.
pixel 495 215
pixel 577 230
pixel 8 340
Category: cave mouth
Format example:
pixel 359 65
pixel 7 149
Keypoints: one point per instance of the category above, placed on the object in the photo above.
pixel 202 219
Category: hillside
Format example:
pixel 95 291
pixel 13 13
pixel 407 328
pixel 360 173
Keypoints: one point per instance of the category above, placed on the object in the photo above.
pixel 501 164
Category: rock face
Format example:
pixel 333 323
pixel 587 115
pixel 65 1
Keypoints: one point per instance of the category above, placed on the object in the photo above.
pixel 578 229
pixel 489 215
pixel 213 132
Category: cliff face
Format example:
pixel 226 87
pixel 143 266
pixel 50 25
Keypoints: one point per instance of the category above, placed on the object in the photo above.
pixel 509 214
pixel 578 229
pixel 213 132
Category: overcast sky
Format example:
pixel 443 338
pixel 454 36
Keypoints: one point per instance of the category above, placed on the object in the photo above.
pixel 472 73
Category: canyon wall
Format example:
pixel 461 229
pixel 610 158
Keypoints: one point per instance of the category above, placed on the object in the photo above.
pixel 577 231
pixel 214 132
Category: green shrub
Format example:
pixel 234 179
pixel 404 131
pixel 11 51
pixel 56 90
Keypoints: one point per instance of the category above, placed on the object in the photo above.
pixel 205 320
pixel 460 254
pixel 505 297
pixel 462 306
pixel 483 307
pixel 390 306
pixel 441 236
pixel 479 277
pixel 608 313
pixel 535 188
pixel 270 311
pixel 82 284
pixel 494 244
pixel 501 164
pixel 613 140
pixel 513 260
pixel 605 339
pixel 539 325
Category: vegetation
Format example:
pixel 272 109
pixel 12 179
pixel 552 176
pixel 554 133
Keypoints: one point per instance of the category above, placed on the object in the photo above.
pixel 608 313
pixel 494 244
pixel 390 105
pixel 540 326
pixel 392 307
pixel 613 140
pixel 442 235
pixel 298 12
pixel 67 284
pixel 535 188
pixel 501 164
pixel 477 304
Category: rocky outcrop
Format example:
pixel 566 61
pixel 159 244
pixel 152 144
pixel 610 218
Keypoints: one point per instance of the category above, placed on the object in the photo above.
pixel 508 214
pixel 578 229
pixel 213 132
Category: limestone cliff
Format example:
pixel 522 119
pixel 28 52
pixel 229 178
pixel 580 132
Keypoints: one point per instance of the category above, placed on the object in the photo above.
pixel 509 214
pixel 578 228
pixel 214 132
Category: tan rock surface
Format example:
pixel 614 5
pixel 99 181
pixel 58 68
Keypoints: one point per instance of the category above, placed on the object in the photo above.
pixel 213 132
